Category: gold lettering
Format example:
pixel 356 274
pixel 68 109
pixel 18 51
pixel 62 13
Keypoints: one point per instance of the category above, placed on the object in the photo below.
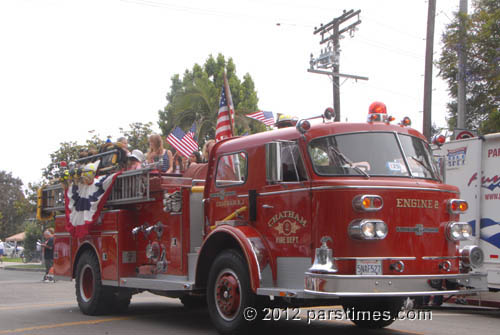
pixel 417 203
pixel 287 239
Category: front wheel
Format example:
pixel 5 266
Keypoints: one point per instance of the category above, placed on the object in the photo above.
pixel 229 294
pixel 373 312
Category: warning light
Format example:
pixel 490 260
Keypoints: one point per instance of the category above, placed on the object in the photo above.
pixel 377 112
pixel 367 203
pixel 438 140
pixel 377 108
pixel 457 206
pixel 303 126
pixel 406 122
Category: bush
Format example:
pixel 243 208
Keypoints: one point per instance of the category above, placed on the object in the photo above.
pixel 33 234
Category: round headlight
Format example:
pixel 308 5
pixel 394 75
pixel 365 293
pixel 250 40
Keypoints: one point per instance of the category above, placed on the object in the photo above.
pixel 381 229
pixel 466 231
pixel 368 229
pixel 456 231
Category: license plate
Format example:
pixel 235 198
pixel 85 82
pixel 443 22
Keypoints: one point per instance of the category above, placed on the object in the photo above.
pixel 368 267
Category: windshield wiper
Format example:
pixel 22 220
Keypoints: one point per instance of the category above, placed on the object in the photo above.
pixel 421 162
pixel 347 160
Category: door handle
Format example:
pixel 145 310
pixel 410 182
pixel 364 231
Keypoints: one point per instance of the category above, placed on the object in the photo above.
pixel 267 206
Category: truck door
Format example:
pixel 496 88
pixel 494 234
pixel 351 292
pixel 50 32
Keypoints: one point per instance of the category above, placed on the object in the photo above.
pixel 284 210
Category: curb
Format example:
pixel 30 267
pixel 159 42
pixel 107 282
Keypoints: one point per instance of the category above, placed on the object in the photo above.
pixel 478 302
pixel 14 268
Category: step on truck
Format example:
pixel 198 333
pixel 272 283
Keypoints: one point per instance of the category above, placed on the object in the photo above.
pixel 315 214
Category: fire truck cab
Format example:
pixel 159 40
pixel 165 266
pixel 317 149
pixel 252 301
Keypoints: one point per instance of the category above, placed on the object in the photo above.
pixel 319 213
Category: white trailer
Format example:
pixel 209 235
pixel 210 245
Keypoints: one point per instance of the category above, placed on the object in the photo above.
pixel 473 165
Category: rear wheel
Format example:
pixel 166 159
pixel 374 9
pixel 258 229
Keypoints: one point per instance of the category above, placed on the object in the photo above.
pixel 93 298
pixel 373 313
pixel 229 293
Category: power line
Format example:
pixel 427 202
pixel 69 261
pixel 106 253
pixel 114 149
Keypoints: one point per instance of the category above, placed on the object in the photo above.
pixel 329 57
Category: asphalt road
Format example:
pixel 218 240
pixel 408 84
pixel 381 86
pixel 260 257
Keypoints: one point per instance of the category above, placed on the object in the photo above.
pixel 29 306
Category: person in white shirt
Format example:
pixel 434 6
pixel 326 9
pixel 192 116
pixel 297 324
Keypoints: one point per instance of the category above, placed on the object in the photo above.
pixel 2 248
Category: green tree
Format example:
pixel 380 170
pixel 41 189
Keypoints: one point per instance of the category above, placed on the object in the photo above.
pixel 195 98
pixel 482 47
pixel 34 233
pixel 69 152
pixel 137 136
pixel 14 208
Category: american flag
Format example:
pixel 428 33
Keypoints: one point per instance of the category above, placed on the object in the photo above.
pixel 192 133
pixel 266 118
pixel 183 143
pixel 225 118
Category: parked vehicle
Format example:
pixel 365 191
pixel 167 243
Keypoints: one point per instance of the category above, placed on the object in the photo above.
pixel 473 165
pixel 12 249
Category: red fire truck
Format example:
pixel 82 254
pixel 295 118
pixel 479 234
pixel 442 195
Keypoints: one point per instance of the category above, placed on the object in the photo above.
pixel 318 213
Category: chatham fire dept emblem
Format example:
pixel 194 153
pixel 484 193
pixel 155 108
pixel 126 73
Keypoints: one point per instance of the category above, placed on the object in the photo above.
pixel 287 224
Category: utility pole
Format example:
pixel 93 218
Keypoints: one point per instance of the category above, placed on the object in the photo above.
pixel 461 65
pixel 429 50
pixel 329 57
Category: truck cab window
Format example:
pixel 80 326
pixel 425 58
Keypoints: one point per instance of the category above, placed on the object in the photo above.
pixel 231 169
pixel 292 163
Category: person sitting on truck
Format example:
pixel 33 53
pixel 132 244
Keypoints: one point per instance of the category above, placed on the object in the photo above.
pixel 206 150
pixel 157 153
pixel 178 164
pixel 135 160
pixel 123 144
pixel 194 158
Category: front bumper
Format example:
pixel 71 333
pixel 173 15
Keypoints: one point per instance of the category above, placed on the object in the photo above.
pixel 336 286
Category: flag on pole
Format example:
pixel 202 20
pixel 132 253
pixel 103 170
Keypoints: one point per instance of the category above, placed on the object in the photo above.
pixel 192 132
pixel 225 118
pixel 183 143
pixel 266 118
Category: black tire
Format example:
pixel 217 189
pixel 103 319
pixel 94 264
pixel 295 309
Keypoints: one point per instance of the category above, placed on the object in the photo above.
pixel 229 293
pixel 194 302
pixel 93 298
pixel 373 312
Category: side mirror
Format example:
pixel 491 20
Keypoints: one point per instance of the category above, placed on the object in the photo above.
pixel 274 172
pixel 329 113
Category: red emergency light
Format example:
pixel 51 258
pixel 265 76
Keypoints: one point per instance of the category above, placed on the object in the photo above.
pixel 377 112
pixel 438 140
pixel 406 122
pixel 377 108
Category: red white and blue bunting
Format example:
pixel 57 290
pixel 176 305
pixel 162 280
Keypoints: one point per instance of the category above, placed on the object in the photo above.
pixel 84 203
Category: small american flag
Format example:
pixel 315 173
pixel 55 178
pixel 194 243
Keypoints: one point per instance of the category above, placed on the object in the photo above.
pixel 225 118
pixel 192 133
pixel 266 118
pixel 184 143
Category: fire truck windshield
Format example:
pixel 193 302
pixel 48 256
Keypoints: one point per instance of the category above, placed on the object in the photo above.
pixel 372 154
